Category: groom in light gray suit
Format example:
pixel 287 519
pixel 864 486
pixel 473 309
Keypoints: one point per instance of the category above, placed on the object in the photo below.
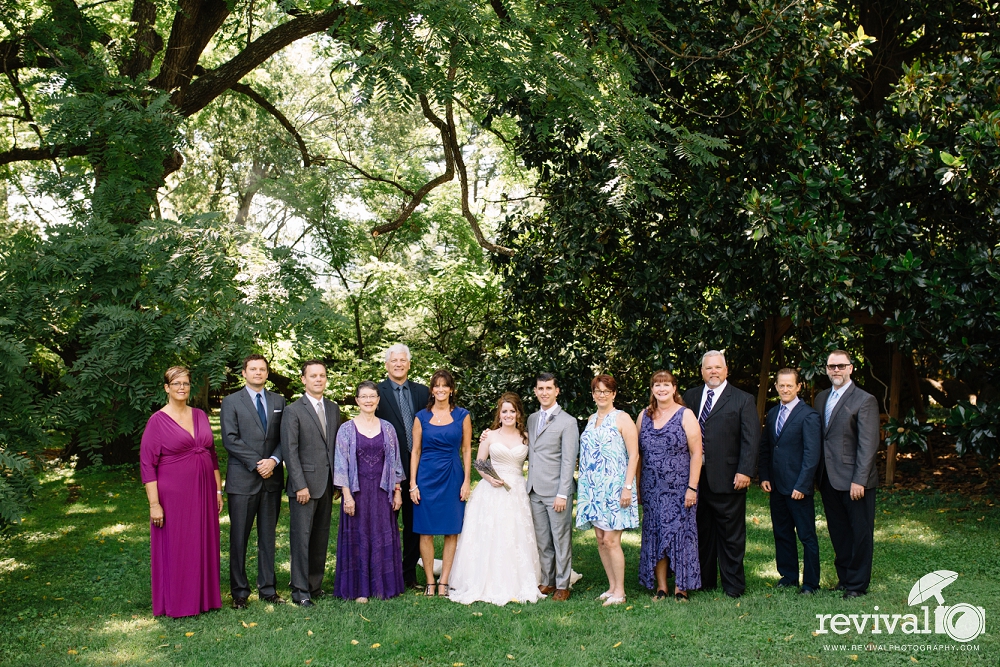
pixel 553 444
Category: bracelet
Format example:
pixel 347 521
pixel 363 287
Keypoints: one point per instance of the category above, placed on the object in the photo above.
pixel 413 488
pixel 219 492
pixel 691 488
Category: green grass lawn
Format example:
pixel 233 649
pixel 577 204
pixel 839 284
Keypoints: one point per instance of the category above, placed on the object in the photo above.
pixel 74 588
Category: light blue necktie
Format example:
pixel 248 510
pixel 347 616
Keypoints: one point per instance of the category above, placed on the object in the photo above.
pixel 782 416
pixel 831 403
pixel 541 423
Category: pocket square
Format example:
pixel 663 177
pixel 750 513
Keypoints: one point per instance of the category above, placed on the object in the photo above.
pixel 277 410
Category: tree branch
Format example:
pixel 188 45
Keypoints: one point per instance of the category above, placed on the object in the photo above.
pixel 41 153
pixel 213 83
pixel 264 104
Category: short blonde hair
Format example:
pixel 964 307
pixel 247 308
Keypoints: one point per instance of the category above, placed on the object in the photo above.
pixel 175 372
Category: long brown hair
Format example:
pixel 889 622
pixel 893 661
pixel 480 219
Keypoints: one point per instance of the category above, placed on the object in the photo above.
pixel 519 422
pixel 449 381
pixel 661 376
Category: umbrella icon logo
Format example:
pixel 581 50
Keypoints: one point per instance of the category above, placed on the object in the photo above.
pixel 962 622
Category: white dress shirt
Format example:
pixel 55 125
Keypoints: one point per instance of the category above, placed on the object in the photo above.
pixel 715 396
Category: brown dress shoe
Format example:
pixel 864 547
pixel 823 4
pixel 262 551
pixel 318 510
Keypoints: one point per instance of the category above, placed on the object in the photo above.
pixel 546 590
pixel 561 595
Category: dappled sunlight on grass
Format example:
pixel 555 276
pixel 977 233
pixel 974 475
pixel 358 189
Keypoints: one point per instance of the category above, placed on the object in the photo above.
pixel 915 532
pixel 116 529
pixel 8 565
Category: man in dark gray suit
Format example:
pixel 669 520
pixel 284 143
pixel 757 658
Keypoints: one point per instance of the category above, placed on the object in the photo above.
pixel 553 444
pixel 848 476
pixel 251 430
pixel 308 436
pixel 731 438
pixel 400 400
pixel 789 457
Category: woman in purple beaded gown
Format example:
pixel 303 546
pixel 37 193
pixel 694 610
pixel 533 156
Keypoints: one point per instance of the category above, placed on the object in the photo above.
pixel 670 466
pixel 368 470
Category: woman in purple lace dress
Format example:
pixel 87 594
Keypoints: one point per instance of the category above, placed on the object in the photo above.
pixel 368 470
pixel 670 467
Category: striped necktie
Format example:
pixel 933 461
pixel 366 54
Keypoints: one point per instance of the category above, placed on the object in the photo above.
pixel 782 416
pixel 705 409
pixel 831 403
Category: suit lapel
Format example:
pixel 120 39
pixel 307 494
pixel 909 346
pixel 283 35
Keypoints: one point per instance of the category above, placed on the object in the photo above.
pixel 248 402
pixel 837 407
pixel 272 403
pixel 794 415
pixel 388 387
pixel 722 399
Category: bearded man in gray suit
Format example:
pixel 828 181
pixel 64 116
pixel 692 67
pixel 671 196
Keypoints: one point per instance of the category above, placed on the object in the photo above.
pixel 308 437
pixel 553 445
pixel 251 433
pixel 848 474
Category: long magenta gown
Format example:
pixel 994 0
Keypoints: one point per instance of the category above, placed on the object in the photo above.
pixel 184 553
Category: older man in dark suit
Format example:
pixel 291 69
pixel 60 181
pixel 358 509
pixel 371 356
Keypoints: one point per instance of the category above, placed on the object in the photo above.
pixel 308 437
pixel 848 476
pixel 789 457
pixel 251 433
pixel 731 437
pixel 400 400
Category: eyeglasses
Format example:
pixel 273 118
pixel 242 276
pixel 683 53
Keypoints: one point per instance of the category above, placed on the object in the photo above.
pixel 838 367
pixel 180 385
pixel 367 397
pixel 603 392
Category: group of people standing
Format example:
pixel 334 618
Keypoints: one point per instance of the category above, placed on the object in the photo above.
pixel 689 460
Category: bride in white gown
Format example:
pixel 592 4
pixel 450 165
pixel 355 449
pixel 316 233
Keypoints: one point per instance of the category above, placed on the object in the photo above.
pixel 496 559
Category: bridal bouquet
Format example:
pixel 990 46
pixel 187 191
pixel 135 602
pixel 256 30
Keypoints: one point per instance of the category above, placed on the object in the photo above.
pixel 486 468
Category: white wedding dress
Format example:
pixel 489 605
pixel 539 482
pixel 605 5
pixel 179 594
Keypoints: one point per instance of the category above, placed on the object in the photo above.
pixel 497 558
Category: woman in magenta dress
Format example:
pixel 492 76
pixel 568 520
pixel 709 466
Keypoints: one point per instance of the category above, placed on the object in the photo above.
pixel 368 469
pixel 181 473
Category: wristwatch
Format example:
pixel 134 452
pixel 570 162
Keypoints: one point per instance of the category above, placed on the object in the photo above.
pixel 631 487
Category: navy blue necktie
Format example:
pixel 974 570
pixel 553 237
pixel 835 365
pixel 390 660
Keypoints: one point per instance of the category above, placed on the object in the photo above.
pixel 261 413
pixel 705 410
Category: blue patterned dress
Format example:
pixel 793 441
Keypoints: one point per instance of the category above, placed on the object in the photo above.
pixel 669 530
pixel 603 465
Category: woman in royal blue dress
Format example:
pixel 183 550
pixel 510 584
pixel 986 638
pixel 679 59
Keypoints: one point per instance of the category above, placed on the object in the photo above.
pixel 669 470
pixel 440 476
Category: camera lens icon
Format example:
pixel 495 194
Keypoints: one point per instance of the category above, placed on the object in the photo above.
pixel 964 622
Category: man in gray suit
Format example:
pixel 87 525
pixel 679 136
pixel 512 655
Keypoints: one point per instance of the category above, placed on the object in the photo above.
pixel 848 476
pixel 308 436
pixel 251 429
pixel 553 444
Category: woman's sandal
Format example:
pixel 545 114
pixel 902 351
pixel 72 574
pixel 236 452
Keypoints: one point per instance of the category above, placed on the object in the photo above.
pixel 439 585
pixel 611 601
pixel 680 597
pixel 430 590
pixel 603 596
pixel 660 595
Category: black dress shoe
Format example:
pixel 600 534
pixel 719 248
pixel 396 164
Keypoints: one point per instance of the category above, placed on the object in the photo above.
pixel 306 603
pixel 239 603
pixel 274 598
pixel 785 584
pixel 733 594
pixel 318 594
pixel 412 584
pixel 853 594
pixel 805 590
pixel 840 587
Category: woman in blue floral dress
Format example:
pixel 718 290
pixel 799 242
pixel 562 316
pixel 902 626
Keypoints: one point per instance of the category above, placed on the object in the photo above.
pixel 609 456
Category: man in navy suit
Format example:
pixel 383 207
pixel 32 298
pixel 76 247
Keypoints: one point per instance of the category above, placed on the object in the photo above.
pixel 789 458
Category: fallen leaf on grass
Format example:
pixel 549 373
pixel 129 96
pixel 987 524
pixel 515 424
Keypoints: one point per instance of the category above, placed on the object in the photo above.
pixel 617 645
pixel 71 651
pixel 309 632
pixel 458 664
pixel 309 661
pixel 628 607
pixel 163 646
pixel 912 659
pixel 853 657
pixel 363 618
pixel 244 624
pixel 477 613
pixel 376 645
pixel 448 637
pixel 354 642
pixel 189 634
pixel 253 624
pixel 510 657
pixel 789 637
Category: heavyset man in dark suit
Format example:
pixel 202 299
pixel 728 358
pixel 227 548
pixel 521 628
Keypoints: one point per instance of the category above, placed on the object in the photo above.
pixel 848 476
pixel 401 400
pixel 308 437
pixel 789 457
pixel 731 436
pixel 251 430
